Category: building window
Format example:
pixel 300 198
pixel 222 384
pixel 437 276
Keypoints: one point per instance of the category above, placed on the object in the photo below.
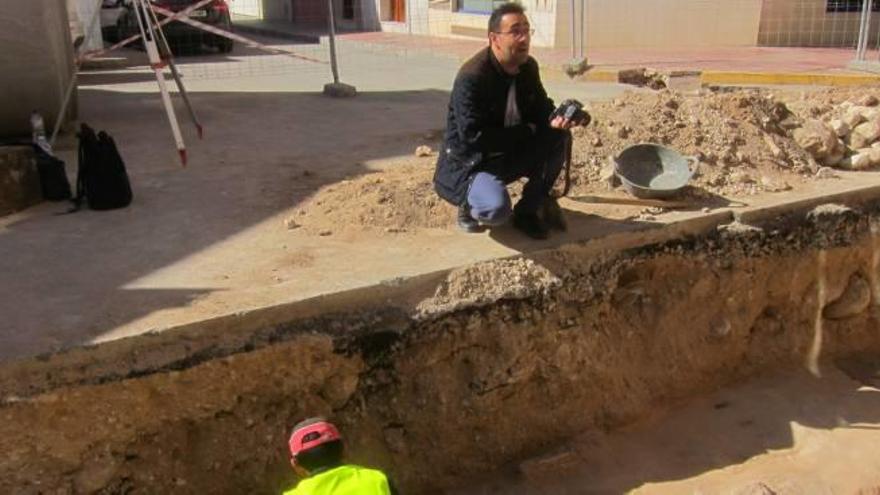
pixel 482 6
pixel 348 9
pixel 849 6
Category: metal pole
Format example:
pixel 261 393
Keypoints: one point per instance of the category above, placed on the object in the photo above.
pixel 870 7
pixel 142 9
pixel 573 30
pixel 170 60
pixel 333 65
pixel 68 93
pixel 583 45
pixel 864 26
pixel 861 33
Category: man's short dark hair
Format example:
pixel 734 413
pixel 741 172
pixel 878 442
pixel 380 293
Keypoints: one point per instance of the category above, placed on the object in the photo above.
pixel 325 456
pixel 502 10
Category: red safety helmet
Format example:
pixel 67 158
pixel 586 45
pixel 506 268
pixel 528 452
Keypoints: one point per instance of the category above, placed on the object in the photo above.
pixel 311 435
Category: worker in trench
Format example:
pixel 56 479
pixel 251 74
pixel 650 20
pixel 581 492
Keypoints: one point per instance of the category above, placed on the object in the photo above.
pixel 316 454
pixel 501 127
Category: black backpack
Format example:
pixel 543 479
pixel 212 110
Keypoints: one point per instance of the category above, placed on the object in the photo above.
pixel 101 177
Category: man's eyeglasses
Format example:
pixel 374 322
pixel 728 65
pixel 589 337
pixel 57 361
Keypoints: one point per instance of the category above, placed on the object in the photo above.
pixel 518 33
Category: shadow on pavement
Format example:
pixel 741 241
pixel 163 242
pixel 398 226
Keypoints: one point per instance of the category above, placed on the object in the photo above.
pixel 70 279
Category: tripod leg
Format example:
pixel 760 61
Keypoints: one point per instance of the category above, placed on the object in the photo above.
pixel 177 79
pixel 143 18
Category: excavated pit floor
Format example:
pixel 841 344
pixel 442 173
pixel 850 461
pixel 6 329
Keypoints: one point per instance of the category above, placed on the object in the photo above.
pixel 448 376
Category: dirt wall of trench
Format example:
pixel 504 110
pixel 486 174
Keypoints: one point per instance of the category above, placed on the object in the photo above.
pixel 495 362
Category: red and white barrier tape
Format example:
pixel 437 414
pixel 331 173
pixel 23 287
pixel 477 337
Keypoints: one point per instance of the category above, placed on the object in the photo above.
pixel 173 16
pixel 241 39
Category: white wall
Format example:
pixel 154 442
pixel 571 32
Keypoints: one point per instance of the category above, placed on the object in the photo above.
pixel 89 12
pixel 253 8
pixel 662 23
pixel 37 61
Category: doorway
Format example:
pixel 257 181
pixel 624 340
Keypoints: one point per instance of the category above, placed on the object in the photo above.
pixel 398 10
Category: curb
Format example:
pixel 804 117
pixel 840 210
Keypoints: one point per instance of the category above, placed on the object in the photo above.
pixel 275 33
pixel 714 77
pixel 807 79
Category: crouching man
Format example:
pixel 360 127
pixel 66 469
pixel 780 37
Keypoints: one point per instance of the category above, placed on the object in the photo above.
pixel 499 129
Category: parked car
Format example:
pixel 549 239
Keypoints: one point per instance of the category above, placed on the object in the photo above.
pixel 181 34
pixel 111 11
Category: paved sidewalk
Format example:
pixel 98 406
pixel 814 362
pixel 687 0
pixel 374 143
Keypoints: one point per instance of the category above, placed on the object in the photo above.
pixel 744 58
pixel 745 65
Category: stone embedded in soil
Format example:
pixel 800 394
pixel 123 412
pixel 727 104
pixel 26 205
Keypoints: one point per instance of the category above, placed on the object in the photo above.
pixel 395 439
pixel 423 151
pixel 550 467
pixel 719 327
pixel 828 210
pixel 855 299
pixel 737 228
pixel 758 488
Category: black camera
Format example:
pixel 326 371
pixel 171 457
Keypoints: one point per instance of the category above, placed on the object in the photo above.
pixel 573 111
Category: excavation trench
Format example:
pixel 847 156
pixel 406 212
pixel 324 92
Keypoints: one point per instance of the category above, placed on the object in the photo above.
pixel 447 376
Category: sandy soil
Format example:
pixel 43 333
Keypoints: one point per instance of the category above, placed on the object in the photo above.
pixel 743 141
pixel 785 433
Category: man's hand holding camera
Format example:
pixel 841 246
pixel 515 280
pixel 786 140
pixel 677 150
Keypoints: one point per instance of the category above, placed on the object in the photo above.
pixel 569 114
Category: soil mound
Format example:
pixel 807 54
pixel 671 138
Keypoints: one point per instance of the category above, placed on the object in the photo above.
pixel 746 141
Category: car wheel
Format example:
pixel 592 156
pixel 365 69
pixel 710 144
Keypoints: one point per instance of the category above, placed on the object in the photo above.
pixel 225 45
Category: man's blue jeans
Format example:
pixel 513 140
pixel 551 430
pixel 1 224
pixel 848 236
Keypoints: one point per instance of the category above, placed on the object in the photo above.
pixel 540 160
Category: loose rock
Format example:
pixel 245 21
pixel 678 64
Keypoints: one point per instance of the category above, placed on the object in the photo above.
pixel 826 173
pixel 855 299
pixel 868 101
pixel 816 138
pixel 859 161
pixel 840 127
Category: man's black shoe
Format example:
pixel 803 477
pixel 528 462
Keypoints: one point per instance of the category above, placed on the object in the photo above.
pixel 531 225
pixel 553 216
pixel 466 222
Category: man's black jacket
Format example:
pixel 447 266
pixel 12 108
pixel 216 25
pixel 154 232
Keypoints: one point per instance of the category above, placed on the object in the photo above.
pixel 475 124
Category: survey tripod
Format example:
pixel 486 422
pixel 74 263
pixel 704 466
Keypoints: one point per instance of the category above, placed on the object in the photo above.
pixel 159 53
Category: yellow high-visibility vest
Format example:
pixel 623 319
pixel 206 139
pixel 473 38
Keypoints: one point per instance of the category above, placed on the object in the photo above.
pixel 344 480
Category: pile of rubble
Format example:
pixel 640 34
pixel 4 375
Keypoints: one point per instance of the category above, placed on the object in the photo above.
pixel 844 136
pixel 746 142
pixel 742 139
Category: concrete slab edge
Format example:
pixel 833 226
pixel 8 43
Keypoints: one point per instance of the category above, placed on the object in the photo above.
pixel 766 213
pixel 391 302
